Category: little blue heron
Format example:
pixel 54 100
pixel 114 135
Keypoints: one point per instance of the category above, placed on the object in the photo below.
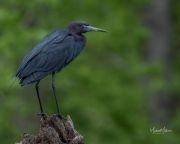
pixel 53 53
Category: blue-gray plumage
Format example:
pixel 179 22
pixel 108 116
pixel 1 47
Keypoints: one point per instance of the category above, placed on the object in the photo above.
pixel 53 53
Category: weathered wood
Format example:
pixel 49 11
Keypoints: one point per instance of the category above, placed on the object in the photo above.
pixel 54 131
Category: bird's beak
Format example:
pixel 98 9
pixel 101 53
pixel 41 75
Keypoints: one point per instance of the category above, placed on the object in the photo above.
pixel 90 29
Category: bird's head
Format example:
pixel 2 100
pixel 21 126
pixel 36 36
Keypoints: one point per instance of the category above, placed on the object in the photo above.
pixel 83 27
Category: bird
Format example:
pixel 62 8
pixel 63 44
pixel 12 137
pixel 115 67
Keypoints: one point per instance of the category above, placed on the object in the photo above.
pixel 55 51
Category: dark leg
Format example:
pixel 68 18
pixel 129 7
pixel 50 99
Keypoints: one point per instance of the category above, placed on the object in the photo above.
pixel 54 93
pixel 39 99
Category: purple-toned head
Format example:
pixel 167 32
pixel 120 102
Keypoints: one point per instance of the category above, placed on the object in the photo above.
pixel 80 27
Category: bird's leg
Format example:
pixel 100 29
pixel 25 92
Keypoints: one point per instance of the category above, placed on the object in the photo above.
pixel 55 97
pixel 39 99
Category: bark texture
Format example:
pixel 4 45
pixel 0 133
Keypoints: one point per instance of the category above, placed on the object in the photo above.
pixel 54 131
pixel 159 49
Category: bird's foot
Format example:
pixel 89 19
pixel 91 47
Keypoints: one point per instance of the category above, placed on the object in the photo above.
pixel 42 114
pixel 60 116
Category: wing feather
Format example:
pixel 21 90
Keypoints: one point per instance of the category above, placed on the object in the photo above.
pixel 53 37
pixel 50 59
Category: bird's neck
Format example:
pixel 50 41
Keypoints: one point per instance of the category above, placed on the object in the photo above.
pixel 77 35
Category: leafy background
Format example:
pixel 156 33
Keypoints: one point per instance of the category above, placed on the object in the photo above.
pixel 103 89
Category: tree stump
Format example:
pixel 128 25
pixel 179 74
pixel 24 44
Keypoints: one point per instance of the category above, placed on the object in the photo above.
pixel 53 130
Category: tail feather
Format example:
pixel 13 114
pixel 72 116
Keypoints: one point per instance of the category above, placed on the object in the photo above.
pixel 34 77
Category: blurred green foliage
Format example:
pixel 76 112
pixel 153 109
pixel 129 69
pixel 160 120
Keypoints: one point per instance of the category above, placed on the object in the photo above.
pixel 102 89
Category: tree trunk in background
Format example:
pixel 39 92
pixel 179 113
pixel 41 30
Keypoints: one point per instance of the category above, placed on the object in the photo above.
pixel 158 52
pixel 159 25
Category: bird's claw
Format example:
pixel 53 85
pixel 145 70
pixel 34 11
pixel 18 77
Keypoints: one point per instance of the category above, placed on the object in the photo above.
pixel 60 116
pixel 44 115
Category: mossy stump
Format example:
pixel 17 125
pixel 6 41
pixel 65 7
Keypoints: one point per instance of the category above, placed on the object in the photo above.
pixel 53 130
